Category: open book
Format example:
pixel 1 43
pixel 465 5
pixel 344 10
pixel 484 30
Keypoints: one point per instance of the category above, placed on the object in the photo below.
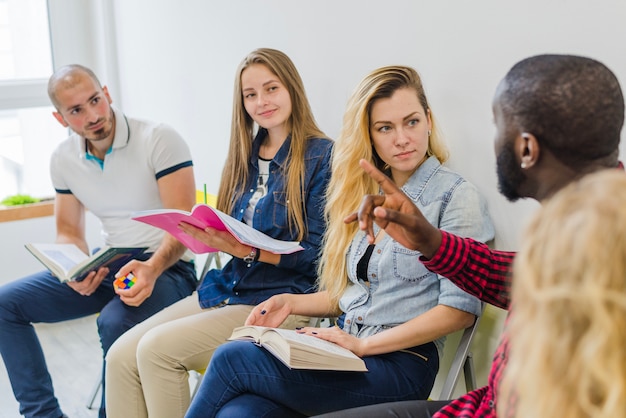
pixel 68 263
pixel 202 216
pixel 300 351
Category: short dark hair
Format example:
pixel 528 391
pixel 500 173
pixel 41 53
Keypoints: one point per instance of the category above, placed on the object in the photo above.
pixel 62 74
pixel 573 105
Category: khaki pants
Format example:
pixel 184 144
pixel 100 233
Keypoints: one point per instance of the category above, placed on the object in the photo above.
pixel 147 367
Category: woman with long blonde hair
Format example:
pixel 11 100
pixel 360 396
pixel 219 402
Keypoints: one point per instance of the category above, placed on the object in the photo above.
pixel 274 179
pixel 392 311
pixel 568 329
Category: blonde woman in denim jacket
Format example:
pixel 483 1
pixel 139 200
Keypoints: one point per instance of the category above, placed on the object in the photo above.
pixel 393 312
pixel 275 180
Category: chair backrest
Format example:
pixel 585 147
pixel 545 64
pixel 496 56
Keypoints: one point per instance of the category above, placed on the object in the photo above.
pixel 462 361
pixel 211 258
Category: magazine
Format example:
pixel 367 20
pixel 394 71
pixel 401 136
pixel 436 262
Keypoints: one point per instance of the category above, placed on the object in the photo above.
pixel 202 216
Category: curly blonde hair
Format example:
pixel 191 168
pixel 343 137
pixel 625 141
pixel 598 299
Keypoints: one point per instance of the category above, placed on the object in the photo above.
pixel 568 324
pixel 349 183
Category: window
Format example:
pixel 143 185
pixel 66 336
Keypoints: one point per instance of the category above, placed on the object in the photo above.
pixel 28 132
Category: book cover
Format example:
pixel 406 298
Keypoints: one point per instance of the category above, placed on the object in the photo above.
pixel 68 263
pixel 300 351
pixel 202 216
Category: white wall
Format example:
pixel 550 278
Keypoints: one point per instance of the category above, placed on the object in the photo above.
pixel 16 261
pixel 175 62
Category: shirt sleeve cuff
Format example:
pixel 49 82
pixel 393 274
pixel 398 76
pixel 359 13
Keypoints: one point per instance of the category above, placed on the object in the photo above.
pixel 450 257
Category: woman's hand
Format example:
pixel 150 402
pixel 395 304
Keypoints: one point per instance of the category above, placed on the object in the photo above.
pixel 337 336
pixel 220 240
pixel 270 313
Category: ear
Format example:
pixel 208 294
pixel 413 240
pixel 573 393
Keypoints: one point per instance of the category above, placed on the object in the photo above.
pixel 107 95
pixel 430 120
pixel 527 149
pixel 60 119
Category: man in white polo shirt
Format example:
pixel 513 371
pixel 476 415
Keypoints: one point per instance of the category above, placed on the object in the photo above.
pixel 111 165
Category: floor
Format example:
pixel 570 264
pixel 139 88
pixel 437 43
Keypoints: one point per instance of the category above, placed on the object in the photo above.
pixel 72 351
pixel 73 354
pixel 74 357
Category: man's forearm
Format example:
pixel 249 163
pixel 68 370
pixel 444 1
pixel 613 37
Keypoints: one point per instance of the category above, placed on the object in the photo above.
pixel 168 253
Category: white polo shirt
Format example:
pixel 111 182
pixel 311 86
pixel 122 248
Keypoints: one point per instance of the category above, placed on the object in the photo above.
pixel 142 152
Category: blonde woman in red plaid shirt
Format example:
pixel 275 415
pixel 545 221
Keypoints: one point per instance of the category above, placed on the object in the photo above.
pixel 567 355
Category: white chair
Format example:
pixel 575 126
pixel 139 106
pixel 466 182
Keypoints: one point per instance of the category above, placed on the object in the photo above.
pixel 462 361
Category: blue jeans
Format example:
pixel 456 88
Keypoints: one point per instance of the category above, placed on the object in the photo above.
pixel 42 298
pixel 245 380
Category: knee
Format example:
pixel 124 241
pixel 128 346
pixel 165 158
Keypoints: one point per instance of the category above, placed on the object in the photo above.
pixel 110 328
pixel 7 300
pixel 4 305
pixel 122 356
pixel 154 347
pixel 235 356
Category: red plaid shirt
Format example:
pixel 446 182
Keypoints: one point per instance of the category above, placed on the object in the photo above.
pixel 484 273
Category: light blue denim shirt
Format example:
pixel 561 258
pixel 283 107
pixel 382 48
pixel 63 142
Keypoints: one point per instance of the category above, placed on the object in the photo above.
pixel 400 287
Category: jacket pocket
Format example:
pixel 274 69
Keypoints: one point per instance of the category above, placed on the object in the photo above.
pixel 279 217
pixel 406 264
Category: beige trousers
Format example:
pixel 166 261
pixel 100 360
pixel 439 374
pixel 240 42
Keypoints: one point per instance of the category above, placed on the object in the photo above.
pixel 147 367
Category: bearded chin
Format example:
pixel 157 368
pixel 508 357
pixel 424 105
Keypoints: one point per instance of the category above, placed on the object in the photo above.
pixel 510 176
pixel 100 134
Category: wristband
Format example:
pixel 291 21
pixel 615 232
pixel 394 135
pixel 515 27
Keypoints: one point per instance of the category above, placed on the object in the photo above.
pixel 252 257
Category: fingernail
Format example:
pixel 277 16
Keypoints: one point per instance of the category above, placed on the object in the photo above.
pixel 298 328
pixel 263 312
pixel 313 332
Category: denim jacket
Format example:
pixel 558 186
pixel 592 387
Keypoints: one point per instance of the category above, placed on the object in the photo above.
pixel 400 287
pixel 240 283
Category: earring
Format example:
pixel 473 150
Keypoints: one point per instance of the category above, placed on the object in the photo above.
pixel 524 164
pixel 429 132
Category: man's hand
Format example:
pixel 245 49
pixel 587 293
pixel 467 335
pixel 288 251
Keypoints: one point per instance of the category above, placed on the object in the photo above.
pixel 90 283
pixel 394 212
pixel 145 278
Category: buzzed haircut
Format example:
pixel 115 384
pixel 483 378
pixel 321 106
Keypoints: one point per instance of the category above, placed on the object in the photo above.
pixel 62 73
pixel 573 105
